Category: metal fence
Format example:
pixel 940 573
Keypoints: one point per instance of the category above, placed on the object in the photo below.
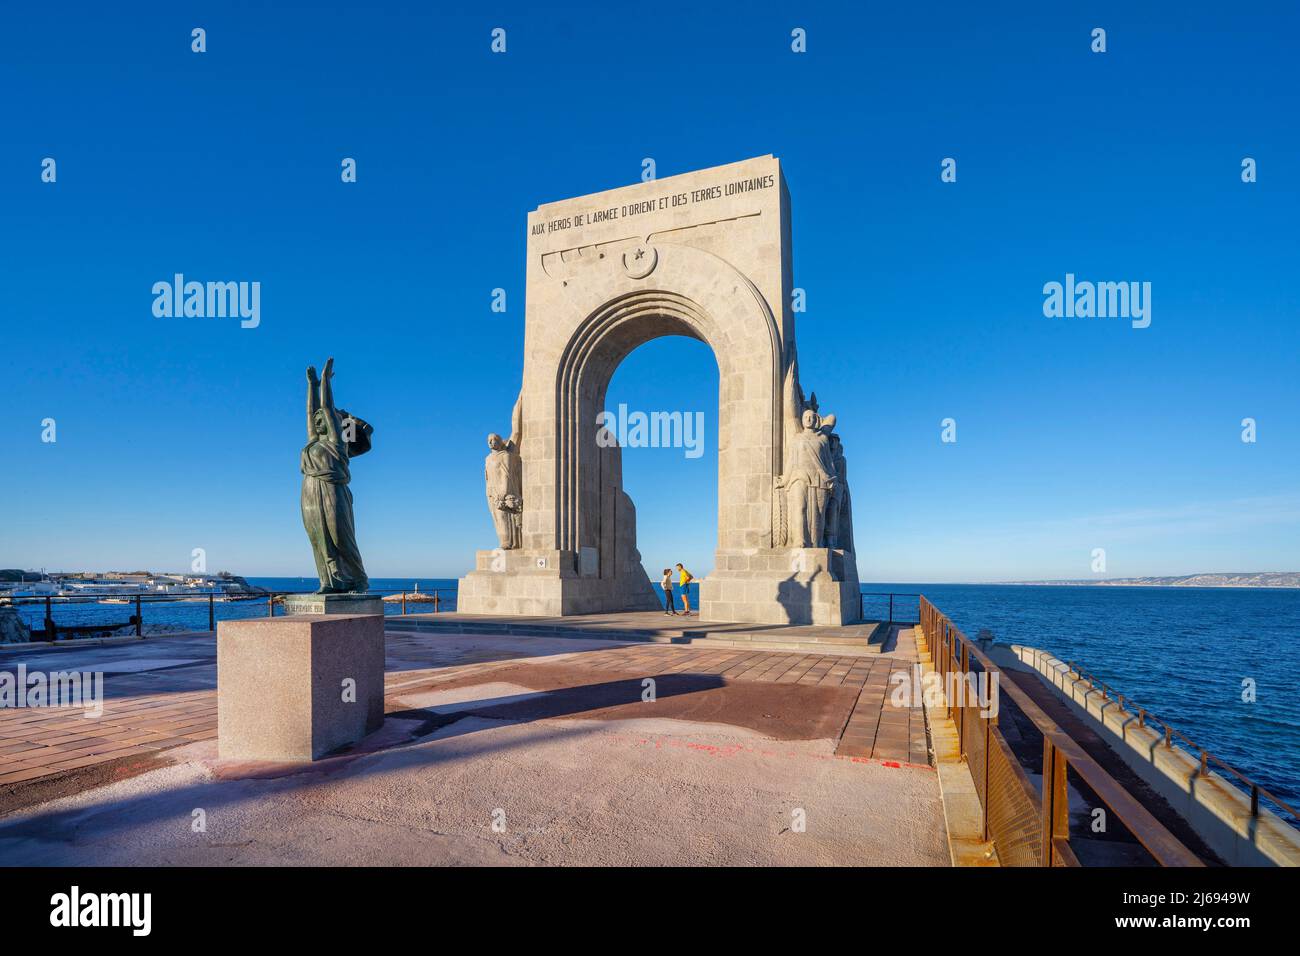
pixel 1029 825
pixel 1175 737
pixel 891 606
pixel 898 607
pixel 396 602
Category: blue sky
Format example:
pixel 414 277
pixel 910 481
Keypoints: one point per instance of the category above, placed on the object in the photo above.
pixel 924 298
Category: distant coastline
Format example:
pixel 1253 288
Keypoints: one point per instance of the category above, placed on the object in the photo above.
pixel 1256 579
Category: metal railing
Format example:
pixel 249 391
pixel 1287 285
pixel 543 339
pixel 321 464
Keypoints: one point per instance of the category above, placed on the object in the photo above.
pixel 271 599
pixel 1029 826
pixel 1203 756
pixel 862 605
pixel 899 604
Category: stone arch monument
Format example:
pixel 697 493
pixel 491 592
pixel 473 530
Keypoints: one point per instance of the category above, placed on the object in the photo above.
pixel 705 255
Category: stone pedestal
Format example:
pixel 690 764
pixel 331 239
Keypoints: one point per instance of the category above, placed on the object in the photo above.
pixel 754 585
pixel 298 687
pixel 783 586
pixel 333 604
pixel 554 583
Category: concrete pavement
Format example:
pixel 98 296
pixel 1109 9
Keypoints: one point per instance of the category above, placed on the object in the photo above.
pixel 531 751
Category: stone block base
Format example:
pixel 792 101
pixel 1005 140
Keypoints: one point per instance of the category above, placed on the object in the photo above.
pixel 298 687
pixel 333 604
pixel 782 586
pixel 550 584
pixel 754 586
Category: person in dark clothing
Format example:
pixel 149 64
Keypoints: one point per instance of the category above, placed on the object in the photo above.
pixel 668 592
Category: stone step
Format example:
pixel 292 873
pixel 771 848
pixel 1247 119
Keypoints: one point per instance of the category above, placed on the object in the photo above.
pixel 861 640
pixel 525 630
pixel 761 636
pixel 860 649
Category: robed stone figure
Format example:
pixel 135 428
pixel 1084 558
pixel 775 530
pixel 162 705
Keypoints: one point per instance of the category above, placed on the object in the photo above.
pixel 333 438
pixel 503 474
pixel 839 510
pixel 809 475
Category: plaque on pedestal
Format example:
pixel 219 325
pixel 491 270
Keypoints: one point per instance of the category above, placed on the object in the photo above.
pixel 333 604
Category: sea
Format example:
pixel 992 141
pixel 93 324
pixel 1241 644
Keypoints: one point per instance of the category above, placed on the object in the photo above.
pixel 1188 655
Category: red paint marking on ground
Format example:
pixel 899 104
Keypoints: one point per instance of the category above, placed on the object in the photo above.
pixel 887 763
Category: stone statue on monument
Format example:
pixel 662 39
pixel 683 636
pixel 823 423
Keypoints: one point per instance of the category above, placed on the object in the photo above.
pixel 808 478
pixel 333 438
pixel 504 475
pixel 839 511
pixel 811 506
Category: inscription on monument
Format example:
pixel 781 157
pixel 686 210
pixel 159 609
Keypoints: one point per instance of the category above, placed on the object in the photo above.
pixel 673 200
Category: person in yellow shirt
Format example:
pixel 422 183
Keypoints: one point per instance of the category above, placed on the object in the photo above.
pixel 684 578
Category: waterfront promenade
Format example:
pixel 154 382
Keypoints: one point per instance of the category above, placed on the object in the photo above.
pixel 497 749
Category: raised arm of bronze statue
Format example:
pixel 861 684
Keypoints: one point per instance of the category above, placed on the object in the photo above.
pixel 313 401
pixel 331 415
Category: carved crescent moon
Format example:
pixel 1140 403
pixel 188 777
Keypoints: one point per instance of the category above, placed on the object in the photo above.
pixel 640 261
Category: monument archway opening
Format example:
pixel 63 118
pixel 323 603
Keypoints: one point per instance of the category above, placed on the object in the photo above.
pixel 704 255
pixel 661 408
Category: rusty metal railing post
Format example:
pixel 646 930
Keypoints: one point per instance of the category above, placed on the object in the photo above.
pixel 1056 800
pixel 403 603
pixel 988 761
pixel 952 660
pixel 961 699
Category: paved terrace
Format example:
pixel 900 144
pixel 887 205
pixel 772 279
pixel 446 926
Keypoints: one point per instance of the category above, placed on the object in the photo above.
pixel 547 736
pixel 850 640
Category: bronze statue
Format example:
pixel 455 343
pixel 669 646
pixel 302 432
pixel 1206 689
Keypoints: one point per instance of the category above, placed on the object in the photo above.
pixel 333 438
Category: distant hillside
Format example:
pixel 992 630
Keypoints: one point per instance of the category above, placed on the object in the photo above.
pixel 13 574
pixel 1251 579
